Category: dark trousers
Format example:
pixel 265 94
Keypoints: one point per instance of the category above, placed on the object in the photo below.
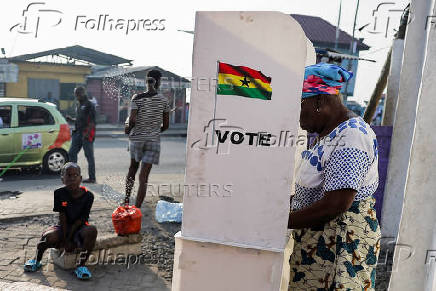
pixel 78 141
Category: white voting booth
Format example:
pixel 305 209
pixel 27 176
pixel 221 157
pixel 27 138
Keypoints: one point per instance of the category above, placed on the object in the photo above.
pixel 236 200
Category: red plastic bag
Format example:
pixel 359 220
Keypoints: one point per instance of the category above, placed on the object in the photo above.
pixel 127 220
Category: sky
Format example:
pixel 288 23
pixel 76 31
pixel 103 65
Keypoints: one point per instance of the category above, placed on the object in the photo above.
pixel 171 49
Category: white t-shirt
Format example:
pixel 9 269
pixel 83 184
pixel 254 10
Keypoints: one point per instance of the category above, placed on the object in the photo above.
pixel 149 117
pixel 347 158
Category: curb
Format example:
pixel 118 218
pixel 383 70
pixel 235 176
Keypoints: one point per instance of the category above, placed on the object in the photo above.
pixel 12 219
pixel 117 135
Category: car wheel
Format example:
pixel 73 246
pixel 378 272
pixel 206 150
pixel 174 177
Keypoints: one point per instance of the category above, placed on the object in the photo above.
pixel 54 160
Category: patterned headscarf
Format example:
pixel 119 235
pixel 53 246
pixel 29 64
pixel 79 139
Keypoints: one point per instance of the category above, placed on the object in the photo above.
pixel 324 78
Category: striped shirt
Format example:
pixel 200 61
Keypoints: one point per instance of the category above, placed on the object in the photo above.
pixel 149 117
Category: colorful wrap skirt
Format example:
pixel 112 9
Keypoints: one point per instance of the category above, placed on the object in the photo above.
pixel 341 255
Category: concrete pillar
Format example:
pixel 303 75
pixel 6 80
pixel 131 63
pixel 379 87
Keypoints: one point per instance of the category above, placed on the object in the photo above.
pixel 413 59
pixel 236 207
pixel 414 259
pixel 299 148
pixel 393 82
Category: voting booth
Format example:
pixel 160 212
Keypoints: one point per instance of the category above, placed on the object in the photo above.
pixel 248 70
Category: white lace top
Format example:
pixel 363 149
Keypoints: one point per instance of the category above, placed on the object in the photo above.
pixel 346 158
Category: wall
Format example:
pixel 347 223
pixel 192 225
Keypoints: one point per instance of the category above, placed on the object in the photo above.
pixel 63 73
pixel 384 135
pixel 106 99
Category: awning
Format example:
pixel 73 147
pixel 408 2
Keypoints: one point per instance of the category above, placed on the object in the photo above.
pixel 336 55
pixel 346 56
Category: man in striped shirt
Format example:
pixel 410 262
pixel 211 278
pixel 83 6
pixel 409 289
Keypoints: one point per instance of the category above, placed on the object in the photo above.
pixel 149 117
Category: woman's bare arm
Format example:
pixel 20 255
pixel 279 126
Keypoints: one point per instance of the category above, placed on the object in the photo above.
pixel 329 207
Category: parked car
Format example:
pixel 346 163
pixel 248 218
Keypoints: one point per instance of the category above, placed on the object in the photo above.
pixel 33 133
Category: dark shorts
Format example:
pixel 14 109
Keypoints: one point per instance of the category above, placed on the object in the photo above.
pixel 77 240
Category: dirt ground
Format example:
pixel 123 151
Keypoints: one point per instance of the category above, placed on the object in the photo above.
pixel 18 240
pixel 157 243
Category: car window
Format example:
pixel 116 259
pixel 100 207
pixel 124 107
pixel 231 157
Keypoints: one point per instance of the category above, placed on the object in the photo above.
pixel 5 116
pixel 34 116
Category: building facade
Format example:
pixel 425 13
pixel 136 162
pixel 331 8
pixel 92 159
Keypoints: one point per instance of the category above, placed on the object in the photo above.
pixel 113 88
pixel 110 81
pixel 47 81
pixel 345 50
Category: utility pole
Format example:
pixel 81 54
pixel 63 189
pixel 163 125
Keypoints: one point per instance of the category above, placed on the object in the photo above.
pixel 387 73
pixel 337 26
pixel 352 48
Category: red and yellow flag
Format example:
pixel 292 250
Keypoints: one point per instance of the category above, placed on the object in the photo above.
pixel 243 81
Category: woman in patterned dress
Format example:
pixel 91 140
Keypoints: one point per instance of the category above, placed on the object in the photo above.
pixel 335 229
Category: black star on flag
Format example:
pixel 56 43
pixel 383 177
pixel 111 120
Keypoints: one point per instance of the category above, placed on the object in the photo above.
pixel 245 82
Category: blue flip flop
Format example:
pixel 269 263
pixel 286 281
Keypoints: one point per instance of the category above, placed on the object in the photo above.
pixel 32 266
pixel 82 273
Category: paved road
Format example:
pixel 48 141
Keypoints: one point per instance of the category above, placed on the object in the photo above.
pixel 112 162
pixel 112 158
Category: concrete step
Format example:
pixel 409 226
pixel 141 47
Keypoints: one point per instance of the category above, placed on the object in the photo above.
pixel 110 127
pixel 108 249
pixel 117 130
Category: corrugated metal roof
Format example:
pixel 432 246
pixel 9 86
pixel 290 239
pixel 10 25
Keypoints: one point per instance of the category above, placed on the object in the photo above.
pixel 80 53
pixel 108 72
pixel 319 30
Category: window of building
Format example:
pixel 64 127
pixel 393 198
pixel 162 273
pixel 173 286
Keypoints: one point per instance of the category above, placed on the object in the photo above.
pixel 5 116
pixel 2 89
pixel 34 116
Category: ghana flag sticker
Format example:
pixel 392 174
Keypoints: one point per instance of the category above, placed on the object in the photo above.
pixel 243 81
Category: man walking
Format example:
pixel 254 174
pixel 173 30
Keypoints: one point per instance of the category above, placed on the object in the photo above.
pixel 149 117
pixel 84 132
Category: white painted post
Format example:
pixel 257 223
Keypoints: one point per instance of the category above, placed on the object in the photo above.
pixel 417 227
pixel 233 236
pixel 393 82
pixel 411 72
pixel 310 60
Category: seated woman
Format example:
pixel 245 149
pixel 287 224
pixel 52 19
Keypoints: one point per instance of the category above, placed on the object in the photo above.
pixel 73 232
pixel 335 229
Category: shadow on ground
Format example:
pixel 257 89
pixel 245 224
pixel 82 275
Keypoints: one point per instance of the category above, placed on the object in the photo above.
pixel 105 277
pixel 28 174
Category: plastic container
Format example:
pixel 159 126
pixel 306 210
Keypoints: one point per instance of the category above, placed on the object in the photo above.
pixel 169 212
pixel 127 220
